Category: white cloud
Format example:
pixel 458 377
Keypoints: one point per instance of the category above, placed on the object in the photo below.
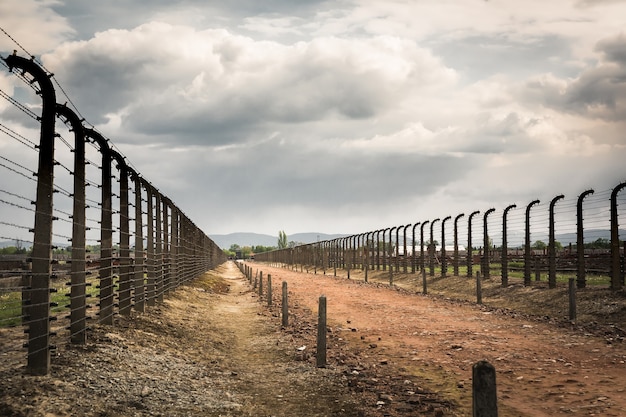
pixel 33 24
pixel 164 79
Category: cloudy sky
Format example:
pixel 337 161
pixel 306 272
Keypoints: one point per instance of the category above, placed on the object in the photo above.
pixel 342 116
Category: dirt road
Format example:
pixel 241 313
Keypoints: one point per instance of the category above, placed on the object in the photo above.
pixel 542 370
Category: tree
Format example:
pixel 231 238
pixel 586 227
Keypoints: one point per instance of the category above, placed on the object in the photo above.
pixel 282 240
pixel 261 248
pixel 600 243
pixel 539 245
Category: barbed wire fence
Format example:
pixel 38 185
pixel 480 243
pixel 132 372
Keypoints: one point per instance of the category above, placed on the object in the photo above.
pixel 543 240
pixel 105 241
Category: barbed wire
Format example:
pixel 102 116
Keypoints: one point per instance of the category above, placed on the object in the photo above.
pixel 13 134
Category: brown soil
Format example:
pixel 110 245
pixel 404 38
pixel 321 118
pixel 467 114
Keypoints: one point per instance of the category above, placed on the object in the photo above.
pixel 214 348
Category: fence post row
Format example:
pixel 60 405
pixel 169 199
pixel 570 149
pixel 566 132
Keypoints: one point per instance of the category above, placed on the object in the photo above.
pixel 346 252
pixel 173 250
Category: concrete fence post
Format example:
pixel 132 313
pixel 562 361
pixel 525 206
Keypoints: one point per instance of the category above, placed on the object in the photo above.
pixel 285 305
pixel 321 333
pixel 479 289
pixel 38 296
pixel 107 293
pixel 78 304
pixel 572 299
pixel 484 396
pixel 269 290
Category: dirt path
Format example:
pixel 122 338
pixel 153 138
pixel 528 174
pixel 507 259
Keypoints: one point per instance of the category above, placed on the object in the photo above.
pixel 214 348
pixel 261 360
pixel 542 370
pixel 211 349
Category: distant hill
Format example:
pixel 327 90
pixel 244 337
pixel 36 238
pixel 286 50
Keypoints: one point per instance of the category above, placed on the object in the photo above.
pixel 255 239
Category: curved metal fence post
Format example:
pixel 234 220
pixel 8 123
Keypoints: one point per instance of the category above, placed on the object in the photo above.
pixel 552 245
pixel 138 284
pixel 581 280
pixel 167 259
pixel 124 267
pixel 486 245
pixel 431 249
pixel 397 249
pixel 422 255
pixel 444 261
pixel 391 252
pixel 107 292
pixel 616 276
pixel 505 248
pixel 174 270
pixel 385 247
pixel 469 254
pixel 38 310
pixel 150 272
pixel 527 252
pixel 413 254
pixel 158 250
pixel 456 244
pixel 404 259
pixel 378 248
pixel 78 298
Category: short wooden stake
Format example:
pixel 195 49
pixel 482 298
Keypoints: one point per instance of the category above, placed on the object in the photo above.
pixel 479 289
pixel 260 283
pixel 424 282
pixel 572 299
pixel 484 398
pixel 537 269
pixel 321 333
pixel 285 305
pixel 269 290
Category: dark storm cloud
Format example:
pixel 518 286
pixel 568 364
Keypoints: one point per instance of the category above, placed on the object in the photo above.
pixel 598 92
pixel 614 49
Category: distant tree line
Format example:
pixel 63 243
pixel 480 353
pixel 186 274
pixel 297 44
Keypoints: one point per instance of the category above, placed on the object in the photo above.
pixel 245 252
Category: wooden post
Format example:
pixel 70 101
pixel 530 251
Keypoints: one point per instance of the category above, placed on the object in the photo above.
pixel 484 398
pixel 479 289
pixel 424 282
pixel 572 299
pixel 269 290
pixel 321 333
pixel 285 305
pixel 537 269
